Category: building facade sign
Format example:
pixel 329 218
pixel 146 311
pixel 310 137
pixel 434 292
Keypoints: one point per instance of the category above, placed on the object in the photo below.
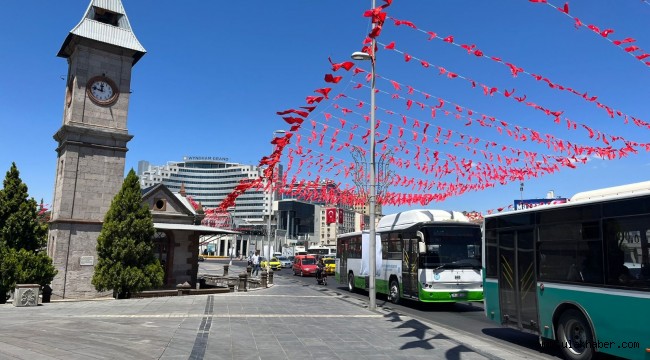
pixel 531 203
pixel 204 158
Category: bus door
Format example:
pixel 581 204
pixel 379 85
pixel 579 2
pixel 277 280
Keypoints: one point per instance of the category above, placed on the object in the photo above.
pixel 517 279
pixel 342 259
pixel 410 268
pixel 342 268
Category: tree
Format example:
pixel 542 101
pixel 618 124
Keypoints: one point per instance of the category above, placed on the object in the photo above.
pixel 19 225
pixel 21 266
pixel 126 263
pixel 22 237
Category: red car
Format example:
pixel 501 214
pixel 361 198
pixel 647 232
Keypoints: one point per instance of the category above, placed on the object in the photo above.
pixel 304 266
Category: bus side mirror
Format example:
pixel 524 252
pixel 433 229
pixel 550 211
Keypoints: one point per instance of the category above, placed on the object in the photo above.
pixel 422 246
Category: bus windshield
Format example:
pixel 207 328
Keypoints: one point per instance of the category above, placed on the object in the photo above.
pixel 451 247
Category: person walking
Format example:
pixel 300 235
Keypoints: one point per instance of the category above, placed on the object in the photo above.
pixel 256 265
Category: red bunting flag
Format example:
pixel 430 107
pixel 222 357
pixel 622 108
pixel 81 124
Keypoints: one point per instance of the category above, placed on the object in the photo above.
pixel 332 79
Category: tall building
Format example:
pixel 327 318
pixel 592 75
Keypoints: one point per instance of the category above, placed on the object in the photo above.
pixel 142 167
pixel 92 142
pixel 208 180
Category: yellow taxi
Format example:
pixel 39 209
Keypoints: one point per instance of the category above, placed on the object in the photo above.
pixel 275 264
pixel 330 265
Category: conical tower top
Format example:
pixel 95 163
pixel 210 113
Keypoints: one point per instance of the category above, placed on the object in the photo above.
pixel 104 21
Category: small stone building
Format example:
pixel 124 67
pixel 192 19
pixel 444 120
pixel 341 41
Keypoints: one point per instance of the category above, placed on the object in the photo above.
pixel 177 234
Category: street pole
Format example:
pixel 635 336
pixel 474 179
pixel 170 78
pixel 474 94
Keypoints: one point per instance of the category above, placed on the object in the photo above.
pixel 268 225
pixel 372 190
pixel 373 186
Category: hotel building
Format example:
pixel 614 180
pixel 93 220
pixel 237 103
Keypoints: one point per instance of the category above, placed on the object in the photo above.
pixel 208 180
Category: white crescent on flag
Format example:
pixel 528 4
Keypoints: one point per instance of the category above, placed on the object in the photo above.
pixel 331 216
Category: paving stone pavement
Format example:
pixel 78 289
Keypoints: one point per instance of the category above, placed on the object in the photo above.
pixel 284 321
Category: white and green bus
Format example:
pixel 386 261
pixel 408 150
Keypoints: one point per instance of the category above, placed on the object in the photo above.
pixel 422 255
pixel 321 251
pixel 576 273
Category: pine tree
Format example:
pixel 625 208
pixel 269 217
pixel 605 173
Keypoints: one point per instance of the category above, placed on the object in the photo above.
pixel 19 225
pixel 22 237
pixel 126 263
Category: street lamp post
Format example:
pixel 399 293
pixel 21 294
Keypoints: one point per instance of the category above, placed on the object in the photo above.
pixel 268 225
pixel 372 190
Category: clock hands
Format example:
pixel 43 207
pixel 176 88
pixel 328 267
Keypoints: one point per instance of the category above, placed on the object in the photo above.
pixel 100 88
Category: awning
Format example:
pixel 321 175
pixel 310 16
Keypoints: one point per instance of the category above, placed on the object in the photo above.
pixel 197 228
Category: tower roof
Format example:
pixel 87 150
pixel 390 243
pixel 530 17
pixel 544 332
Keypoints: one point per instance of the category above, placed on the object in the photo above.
pixel 105 21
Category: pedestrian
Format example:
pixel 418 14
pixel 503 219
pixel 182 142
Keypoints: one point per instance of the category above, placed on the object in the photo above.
pixel 320 268
pixel 256 265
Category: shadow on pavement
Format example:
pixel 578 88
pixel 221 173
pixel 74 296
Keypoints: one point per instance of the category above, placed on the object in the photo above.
pixel 530 341
pixel 420 332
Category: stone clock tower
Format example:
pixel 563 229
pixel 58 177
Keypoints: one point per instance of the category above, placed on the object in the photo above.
pixel 92 141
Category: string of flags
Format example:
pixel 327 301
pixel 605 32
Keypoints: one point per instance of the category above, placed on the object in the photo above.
pixel 314 150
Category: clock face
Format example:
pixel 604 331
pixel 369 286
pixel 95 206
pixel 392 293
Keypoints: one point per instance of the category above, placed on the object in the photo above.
pixel 102 90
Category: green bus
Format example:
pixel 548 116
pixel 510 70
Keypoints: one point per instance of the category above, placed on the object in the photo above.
pixel 576 273
pixel 422 255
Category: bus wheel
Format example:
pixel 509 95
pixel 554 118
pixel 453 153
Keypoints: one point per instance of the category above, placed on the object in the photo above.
pixel 394 291
pixel 351 282
pixel 574 335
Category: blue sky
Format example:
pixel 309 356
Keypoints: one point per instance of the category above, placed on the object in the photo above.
pixel 216 73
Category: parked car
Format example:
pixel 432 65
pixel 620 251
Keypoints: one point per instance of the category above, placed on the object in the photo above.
pixel 274 263
pixel 285 262
pixel 330 265
pixel 304 265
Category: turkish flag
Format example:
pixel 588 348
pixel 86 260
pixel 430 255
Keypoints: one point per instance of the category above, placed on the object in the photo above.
pixel 340 216
pixel 330 216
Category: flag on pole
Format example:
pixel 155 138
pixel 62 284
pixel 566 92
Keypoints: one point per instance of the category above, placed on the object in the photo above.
pixel 330 216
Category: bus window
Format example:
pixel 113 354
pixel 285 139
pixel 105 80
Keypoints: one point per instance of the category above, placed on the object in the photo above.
pixel 394 247
pixel 626 240
pixel 570 253
pixel 455 247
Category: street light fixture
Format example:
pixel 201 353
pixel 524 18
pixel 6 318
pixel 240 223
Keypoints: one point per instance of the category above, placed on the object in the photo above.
pixel 360 55
pixel 372 190
pixel 271 190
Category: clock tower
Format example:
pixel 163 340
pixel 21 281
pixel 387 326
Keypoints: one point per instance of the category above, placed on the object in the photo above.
pixel 92 141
